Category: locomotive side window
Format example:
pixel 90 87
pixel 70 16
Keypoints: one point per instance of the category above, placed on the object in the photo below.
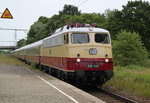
pixel 78 38
pixel 102 38
pixel 53 41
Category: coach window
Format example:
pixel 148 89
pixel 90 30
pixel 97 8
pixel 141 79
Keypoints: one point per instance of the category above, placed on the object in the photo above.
pixel 79 38
pixel 102 38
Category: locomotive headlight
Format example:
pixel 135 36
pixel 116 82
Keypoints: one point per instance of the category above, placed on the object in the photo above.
pixel 92 51
pixel 78 60
pixel 106 60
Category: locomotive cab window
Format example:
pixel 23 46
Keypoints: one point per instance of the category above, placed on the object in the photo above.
pixel 79 38
pixel 102 38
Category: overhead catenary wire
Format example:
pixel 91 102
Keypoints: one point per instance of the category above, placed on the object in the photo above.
pixel 77 2
pixel 71 2
pixel 82 3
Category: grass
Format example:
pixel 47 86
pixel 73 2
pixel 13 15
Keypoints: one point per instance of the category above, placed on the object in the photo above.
pixel 10 60
pixel 132 79
pixel 6 59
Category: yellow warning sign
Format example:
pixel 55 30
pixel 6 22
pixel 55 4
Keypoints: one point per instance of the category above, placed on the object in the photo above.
pixel 6 14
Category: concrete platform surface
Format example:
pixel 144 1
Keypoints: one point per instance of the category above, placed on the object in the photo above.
pixel 18 84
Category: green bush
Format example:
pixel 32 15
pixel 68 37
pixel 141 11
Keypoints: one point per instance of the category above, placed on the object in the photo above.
pixel 129 49
pixel 132 79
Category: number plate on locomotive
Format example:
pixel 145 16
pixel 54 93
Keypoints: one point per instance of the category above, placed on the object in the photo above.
pixel 93 66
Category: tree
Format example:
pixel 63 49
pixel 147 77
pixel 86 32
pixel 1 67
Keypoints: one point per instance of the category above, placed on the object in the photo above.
pixel 21 43
pixel 109 13
pixel 93 18
pixel 128 49
pixel 70 10
pixel 46 26
pixel 42 28
pixel 43 19
pixel 113 22
pixel 38 30
pixel 134 17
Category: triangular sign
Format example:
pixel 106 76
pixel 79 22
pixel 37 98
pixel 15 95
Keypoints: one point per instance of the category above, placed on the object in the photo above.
pixel 6 14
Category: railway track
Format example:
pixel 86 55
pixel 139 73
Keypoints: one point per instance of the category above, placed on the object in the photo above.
pixel 108 96
pixel 104 95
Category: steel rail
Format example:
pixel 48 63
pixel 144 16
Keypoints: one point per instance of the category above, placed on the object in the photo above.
pixel 116 96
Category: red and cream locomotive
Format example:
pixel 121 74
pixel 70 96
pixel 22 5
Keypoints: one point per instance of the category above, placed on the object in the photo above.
pixel 79 52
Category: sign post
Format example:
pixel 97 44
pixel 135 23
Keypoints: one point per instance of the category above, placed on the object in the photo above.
pixel 6 14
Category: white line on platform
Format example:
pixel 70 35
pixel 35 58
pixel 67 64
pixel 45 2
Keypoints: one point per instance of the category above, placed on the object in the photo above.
pixel 55 87
pixel 58 89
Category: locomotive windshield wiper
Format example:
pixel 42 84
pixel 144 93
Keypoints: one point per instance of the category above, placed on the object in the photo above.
pixel 79 42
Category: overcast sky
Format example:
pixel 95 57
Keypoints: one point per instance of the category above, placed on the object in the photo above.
pixel 26 12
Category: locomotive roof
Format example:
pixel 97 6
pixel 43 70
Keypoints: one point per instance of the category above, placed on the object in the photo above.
pixel 80 29
pixel 64 29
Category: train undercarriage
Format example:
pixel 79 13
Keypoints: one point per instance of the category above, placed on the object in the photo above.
pixel 80 77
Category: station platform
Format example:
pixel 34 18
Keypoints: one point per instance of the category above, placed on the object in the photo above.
pixel 19 84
